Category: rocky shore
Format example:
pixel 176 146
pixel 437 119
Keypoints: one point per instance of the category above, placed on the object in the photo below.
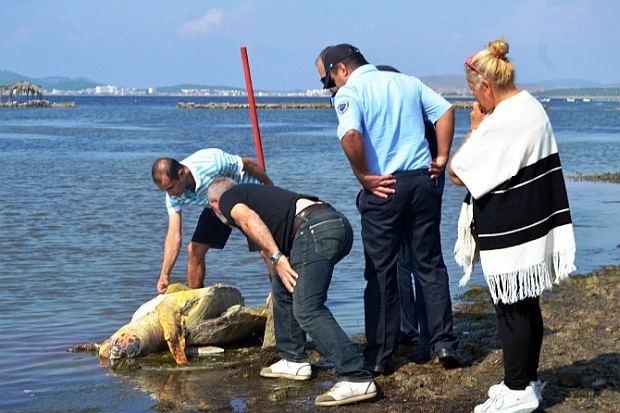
pixel 579 364
pixel 611 177
pixel 283 105
pixel 231 105
pixel 38 104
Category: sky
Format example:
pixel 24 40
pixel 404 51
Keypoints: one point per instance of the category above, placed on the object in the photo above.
pixel 153 43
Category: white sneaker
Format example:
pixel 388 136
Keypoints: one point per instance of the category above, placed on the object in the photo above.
pixel 345 392
pixel 284 369
pixel 505 400
pixel 536 385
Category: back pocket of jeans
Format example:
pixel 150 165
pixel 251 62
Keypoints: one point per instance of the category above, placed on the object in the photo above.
pixel 328 237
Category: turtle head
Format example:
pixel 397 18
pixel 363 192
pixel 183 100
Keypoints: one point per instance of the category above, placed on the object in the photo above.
pixel 125 346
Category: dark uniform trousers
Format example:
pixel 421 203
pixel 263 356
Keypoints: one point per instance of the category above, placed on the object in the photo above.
pixel 412 212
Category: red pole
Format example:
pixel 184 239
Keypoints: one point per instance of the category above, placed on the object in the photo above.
pixel 253 115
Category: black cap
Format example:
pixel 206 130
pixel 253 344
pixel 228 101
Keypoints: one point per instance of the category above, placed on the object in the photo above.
pixel 337 54
pixel 387 68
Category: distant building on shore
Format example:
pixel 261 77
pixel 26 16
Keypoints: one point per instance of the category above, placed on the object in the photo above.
pixel 106 90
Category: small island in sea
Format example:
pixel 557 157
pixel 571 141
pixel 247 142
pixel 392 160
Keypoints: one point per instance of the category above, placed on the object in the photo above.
pixel 24 88
pixel 283 105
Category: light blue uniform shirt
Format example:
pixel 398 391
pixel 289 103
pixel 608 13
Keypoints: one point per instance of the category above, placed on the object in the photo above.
pixel 389 109
pixel 206 165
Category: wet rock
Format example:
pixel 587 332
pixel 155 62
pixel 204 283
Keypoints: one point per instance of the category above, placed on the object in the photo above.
pixel 599 384
pixel 269 338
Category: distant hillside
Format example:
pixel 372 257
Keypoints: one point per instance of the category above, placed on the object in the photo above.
pixel 65 83
pixel 458 82
pixel 446 84
pixel 6 78
pixel 453 82
pixel 570 83
pixel 560 88
pixel 603 92
pixel 48 83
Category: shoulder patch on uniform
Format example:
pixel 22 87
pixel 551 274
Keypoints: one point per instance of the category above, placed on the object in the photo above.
pixel 342 106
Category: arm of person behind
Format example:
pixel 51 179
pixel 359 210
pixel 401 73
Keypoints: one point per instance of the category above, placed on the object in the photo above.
pixel 453 176
pixel 444 129
pixel 476 116
pixel 353 145
pixel 255 170
pixel 172 247
pixel 451 173
pixel 254 228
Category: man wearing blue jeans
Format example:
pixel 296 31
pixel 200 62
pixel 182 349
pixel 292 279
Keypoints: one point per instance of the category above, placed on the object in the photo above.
pixel 304 239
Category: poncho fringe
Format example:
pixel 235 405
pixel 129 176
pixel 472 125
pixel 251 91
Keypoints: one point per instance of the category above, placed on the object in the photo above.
pixel 531 282
pixel 466 251
pixel 512 286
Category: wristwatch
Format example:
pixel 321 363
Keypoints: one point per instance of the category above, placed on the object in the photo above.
pixel 275 257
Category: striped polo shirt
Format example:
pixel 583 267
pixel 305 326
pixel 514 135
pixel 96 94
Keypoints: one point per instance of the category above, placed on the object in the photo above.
pixel 206 165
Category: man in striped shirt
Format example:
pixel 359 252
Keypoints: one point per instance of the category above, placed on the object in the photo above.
pixel 186 183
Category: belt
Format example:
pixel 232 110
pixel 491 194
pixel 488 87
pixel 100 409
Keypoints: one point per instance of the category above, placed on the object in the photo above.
pixel 412 172
pixel 303 216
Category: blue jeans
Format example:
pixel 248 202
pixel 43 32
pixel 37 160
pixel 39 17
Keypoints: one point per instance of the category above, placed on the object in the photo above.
pixel 321 241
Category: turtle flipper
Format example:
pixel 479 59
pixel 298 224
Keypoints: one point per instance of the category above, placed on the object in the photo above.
pixel 174 333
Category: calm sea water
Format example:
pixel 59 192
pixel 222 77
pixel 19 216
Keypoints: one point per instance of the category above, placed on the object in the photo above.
pixel 82 225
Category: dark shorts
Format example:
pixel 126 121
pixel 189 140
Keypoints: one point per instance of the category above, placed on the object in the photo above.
pixel 210 230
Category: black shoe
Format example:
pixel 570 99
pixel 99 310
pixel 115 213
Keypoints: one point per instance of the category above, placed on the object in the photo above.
pixel 449 359
pixel 376 370
pixel 413 342
pixel 420 355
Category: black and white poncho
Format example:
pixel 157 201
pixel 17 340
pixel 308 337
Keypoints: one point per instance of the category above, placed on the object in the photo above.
pixel 515 218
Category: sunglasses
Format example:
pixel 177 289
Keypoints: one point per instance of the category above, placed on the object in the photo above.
pixel 327 81
pixel 468 63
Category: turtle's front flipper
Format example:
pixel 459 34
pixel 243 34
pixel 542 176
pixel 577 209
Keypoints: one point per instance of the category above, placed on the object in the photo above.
pixel 84 347
pixel 174 333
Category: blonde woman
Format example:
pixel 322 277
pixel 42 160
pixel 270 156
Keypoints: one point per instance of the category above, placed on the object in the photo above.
pixel 515 218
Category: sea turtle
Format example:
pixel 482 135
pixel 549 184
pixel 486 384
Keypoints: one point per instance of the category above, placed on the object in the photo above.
pixel 213 315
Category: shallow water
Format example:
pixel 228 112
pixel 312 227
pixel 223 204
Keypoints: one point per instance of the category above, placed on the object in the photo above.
pixel 83 225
